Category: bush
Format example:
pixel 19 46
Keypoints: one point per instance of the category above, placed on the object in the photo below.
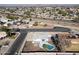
pixel 35 24
pixel 8 31
pixel 45 25
pixel 30 19
pixel 12 17
pixel 6 42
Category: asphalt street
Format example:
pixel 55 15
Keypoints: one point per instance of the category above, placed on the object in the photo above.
pixel 55 29
pixel 17 44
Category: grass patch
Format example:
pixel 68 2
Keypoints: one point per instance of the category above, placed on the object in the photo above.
pixel 12 37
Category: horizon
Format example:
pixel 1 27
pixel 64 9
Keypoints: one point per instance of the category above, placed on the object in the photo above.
pixel 39 5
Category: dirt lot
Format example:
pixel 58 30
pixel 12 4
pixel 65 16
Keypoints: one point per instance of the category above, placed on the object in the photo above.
pixel 73 47
pixel 29 46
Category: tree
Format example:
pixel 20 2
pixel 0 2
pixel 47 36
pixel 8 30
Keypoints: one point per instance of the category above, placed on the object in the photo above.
pixel 28 13
pixel 76 19
pixel 50 13
pixel 12 17
pixel 43 10
pixel 35 24
pixel 6 42
pixel 64 13
pixel 8 31
pixel 30 19
pixel 32 9
pixel 45 25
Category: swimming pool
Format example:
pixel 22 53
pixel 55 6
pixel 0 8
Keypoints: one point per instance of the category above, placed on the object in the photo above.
pixel 48 46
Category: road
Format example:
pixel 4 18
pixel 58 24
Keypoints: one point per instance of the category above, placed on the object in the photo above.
pixel 17 44
pixel 55 29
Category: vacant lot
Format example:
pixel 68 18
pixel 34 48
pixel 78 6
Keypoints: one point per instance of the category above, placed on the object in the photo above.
pixel 73 47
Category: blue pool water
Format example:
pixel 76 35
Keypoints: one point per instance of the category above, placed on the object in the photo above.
pixel 50 47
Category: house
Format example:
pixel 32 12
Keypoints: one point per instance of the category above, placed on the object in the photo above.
pixel 3 34
pixel 3 20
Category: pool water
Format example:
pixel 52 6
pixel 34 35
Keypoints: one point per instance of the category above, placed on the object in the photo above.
pixel 48 47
